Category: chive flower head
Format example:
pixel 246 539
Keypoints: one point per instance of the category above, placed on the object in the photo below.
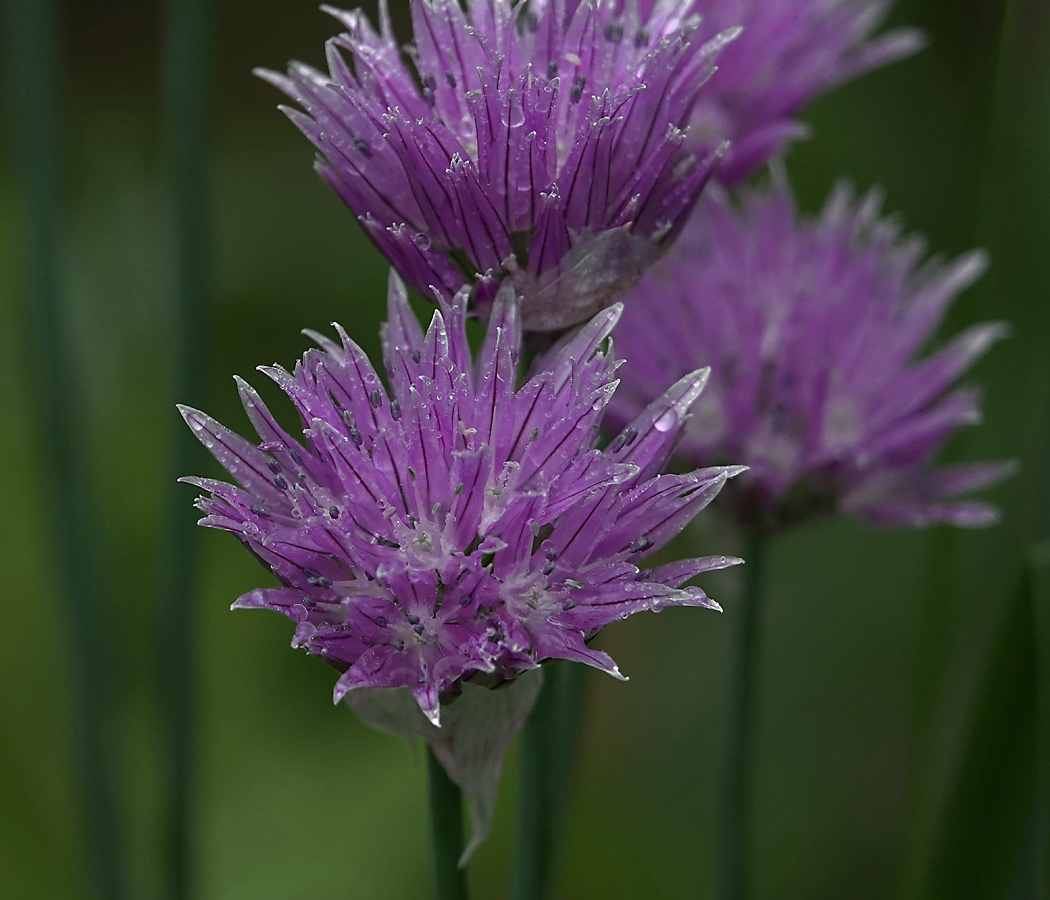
pixel 450 526
pixel 815 331
pixel 541 141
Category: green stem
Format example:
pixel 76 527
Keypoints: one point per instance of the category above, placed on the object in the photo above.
pixel 186 45
pixel 34 64
pixel 547 744
pixel 738 785
pixel 446 832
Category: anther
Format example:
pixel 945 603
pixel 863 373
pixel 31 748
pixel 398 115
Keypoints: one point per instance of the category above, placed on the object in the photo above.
pixel 375 398
pixel 577 89
pixel 640 544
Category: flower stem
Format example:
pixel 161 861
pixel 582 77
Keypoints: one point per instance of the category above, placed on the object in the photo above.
pixel 547 743
pixel 446 832
pixel 737 787
pixel 186 43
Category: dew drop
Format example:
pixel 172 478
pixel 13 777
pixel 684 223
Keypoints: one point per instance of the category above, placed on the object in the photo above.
pixel 513 116
pixel 667 421
pixel 422 241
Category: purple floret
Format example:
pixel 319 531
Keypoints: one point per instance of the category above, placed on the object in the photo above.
pixel 814 330
pixel 790 52
pixel 452 526
pixel 542 141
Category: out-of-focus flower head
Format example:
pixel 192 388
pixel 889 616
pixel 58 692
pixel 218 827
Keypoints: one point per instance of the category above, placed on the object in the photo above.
pixel 540 140
pixel 454 526
pixel 790 51
pixel 814 330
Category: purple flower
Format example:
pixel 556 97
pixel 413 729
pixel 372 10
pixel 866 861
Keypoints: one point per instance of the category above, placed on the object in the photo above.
pixel 453 527
pixel 814 331
pixel 540 140
pixel 790 51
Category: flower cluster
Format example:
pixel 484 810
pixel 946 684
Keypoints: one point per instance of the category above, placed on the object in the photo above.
pixel 542 141
pixel 813 330
pixel 455 526
pixel 789 52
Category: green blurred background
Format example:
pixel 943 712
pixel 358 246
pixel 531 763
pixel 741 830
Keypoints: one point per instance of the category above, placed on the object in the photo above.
pixel 900 747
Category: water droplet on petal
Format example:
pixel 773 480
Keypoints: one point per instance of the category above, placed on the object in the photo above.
pixel 667 421
pixel 513 115
pixel 422 241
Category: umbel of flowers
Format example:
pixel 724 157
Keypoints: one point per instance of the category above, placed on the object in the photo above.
pixel 450 527
pixel 815 331
pixel 788 53
pixel 542 141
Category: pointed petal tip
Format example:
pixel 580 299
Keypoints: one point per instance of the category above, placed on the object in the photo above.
pixel 191 415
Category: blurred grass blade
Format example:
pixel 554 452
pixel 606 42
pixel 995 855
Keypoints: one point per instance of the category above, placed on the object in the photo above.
pixel 1039 561
pixel 981 848
pixel 185 84
pixel 33 59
